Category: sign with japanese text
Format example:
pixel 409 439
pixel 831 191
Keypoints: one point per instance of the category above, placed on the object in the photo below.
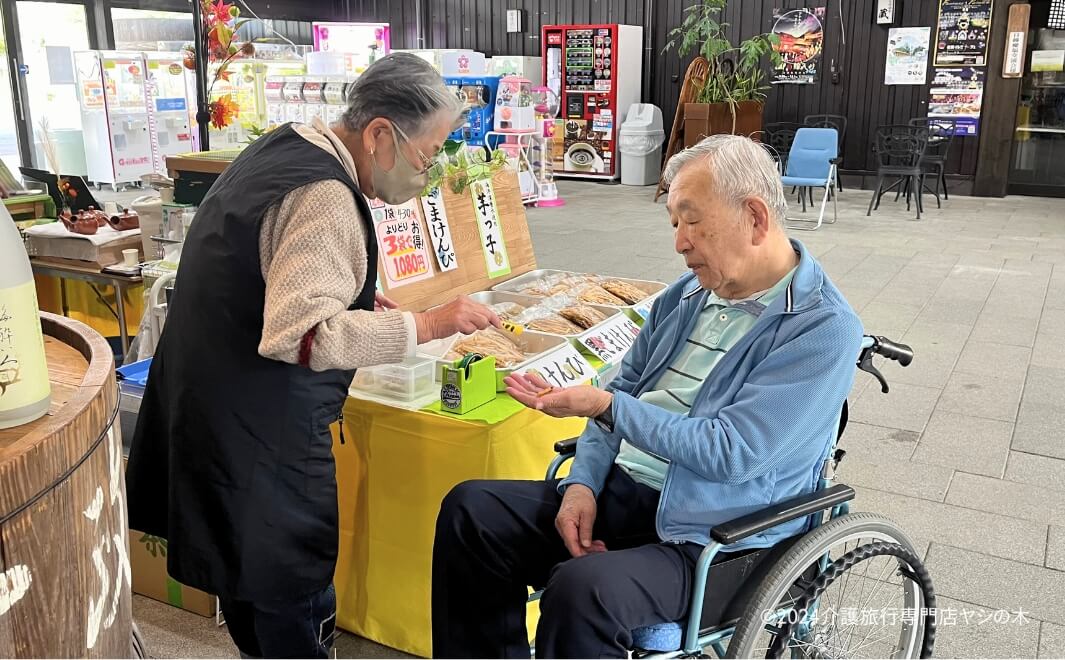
pixel 563 368
pixel 885 12
pixel 1016 41
pixel 643 309
pixel 963 32
pixel 801 35
pixel 490 227
pixel 439 230
pixel 611 340
pixel 907 56
pixel 402 251
pixel 958 94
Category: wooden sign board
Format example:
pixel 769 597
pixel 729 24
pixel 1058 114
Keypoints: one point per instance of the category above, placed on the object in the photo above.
pixel 471 275
pixel 1016 41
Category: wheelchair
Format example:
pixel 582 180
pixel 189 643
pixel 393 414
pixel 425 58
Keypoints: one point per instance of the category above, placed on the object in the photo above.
pixel 828 592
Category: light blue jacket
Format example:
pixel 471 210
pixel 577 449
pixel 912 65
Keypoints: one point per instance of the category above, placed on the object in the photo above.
pixel 760 427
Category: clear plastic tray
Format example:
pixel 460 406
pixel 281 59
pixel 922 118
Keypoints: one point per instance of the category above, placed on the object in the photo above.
pixel 516 285
pixel 411 379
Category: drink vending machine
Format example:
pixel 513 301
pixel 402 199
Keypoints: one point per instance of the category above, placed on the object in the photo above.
pixel 596 71
pixel 114 116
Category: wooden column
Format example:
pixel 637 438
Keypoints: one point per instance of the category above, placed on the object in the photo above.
pixel 999 115
pixel 65 570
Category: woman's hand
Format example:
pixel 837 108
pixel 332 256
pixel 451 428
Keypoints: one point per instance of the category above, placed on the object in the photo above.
pixel 534 392
pixel 381 302
pixel 460 315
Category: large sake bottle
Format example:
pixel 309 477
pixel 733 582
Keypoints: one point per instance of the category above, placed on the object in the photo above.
pixel 24 390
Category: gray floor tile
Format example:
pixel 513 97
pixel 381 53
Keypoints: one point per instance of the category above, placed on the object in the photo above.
pixel 928 482
pixel 1049 350
pixel 951 310
pixel 889 319
pixel 877 443
pixel 1045 388
pixel 924 522
pixel 957 638
pixel 965 443
pixel 1051 640
pixel 998 325
pixel 1008 498
pixel 1052 323
pixel 991 397
pixel 1056 548
pixel 906 406
pixel 990 358
pixel 1044 471
pixel 1039 431
pixel 997 583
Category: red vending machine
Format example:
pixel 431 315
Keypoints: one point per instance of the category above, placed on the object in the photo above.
pixel 596 71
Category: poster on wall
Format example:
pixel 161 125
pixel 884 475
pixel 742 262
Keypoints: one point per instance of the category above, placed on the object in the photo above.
pixel 958 94
pixel 802 37
pixel 963 32
pixel 907 56
pixel 402 249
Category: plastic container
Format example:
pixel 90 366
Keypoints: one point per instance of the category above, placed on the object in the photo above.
pixel 411 379
pixel 132 380
pixel 640 143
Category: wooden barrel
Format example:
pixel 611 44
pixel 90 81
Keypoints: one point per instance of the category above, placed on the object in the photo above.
pixel 65 583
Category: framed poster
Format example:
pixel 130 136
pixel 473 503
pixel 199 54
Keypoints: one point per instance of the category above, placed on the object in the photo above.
pixel 907 56
pixel 958 94
pixel 963 32
pixel 802 38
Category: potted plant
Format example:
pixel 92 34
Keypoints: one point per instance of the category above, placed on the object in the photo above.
pixel 733 95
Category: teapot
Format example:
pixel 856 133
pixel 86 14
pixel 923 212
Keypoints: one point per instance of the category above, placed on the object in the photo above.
pixel 127 219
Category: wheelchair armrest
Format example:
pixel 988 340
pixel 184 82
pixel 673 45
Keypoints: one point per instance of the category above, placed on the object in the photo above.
pixel 797 507
pixel 566 447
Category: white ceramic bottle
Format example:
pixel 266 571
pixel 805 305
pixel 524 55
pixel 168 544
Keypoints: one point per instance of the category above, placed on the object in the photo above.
pixel 24 390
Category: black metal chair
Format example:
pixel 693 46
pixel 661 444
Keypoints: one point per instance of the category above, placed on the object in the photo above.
pixel 838 122
pixel 899 149
pixel 940 136
pixel 780 135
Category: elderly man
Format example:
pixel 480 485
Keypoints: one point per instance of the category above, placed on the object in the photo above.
pixel 727 403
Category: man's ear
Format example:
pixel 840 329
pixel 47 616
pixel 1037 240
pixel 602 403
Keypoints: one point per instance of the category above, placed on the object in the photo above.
pixel 760 219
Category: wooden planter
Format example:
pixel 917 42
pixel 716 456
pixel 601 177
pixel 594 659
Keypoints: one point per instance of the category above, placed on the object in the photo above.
pixel 65 562
pixel 703 119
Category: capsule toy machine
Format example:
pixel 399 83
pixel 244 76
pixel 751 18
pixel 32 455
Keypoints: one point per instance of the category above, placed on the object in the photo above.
pixel 168 107
pixel 596 71
pixel 292 92
pixel 479 94
pixel 360 43
pixel 114 114
pixel 274 92
pixel 335 94
pixel 313 99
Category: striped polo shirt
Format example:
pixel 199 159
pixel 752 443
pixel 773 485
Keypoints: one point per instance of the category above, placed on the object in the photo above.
pixel 720 325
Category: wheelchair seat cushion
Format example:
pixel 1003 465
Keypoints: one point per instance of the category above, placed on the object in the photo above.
pixel 662 637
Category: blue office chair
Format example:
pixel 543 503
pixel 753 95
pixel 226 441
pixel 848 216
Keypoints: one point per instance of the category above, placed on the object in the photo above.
pixel 811 165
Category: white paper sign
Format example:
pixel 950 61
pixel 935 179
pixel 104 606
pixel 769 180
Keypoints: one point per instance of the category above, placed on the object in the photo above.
pixel 493 244
pixel 644 308
pixel 1014 64
pixel 611 340
pixel 885 12
pixel 563 368
pixel 1048 60
pixel 907 56
pixel 439 230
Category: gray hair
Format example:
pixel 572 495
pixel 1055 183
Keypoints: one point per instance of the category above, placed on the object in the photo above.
pixel 739 167
pixel 403 88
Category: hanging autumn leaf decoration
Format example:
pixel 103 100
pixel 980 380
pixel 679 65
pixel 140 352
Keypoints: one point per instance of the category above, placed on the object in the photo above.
pixel 220 29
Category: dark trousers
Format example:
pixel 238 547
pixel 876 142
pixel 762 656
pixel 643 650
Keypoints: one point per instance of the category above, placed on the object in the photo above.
pixel 496 538
pixel 297 628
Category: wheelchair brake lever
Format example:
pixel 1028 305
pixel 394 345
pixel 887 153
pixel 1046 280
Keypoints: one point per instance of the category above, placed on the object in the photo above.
pixel 866 365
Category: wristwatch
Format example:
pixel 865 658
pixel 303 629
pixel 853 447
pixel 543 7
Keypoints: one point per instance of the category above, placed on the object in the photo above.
pixel 605 420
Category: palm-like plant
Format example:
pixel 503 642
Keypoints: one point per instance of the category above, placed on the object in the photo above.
pixel 736 72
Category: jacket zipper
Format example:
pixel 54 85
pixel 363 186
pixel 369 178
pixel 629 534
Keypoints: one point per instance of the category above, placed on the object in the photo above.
pixel 340 419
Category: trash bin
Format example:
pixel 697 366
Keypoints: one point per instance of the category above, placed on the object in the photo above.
pixel 640 145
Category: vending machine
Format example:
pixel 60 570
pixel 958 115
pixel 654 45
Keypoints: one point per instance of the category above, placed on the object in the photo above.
pixel 361 43
pixel 274 93
pixel 479 95
pixel 292 93
pixel 336 98
pixel 530 68
pixel 313 99
pixel 114 116
pixel 168 107
pixel 596 71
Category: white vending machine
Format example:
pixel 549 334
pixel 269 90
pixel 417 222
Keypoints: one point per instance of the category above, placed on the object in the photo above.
pixel 168 107
pixel 114 116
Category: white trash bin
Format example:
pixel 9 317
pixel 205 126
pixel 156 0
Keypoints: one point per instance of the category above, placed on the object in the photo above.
pixel 640 144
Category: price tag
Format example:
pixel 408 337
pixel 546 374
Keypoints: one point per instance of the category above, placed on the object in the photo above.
pixel 612 340
pixel 402 248
pixel 563 368
pixel 643 309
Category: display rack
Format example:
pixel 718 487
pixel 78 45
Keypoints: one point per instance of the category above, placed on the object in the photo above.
pixel 530 152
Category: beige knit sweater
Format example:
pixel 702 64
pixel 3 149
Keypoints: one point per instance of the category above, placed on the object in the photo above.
pixel 312 246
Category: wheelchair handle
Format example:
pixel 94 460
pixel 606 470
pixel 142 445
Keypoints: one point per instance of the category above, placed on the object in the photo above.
pixel 901 353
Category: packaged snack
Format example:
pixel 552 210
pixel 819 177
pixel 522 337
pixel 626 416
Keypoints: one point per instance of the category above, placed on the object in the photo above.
pixel 507 311
pixel 582 315
pixel 597 295
pixel 488 342
pixel 627 292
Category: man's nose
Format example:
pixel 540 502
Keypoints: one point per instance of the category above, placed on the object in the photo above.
pixel 680 242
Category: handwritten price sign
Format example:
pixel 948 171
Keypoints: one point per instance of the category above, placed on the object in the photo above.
pixel 563 368
pixel 612 340
pixel 402 248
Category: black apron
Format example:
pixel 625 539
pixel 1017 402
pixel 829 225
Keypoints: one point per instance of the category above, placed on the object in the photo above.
pixel 232 457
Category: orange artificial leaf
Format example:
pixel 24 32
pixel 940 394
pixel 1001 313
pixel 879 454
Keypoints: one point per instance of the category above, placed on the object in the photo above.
pixel 223 111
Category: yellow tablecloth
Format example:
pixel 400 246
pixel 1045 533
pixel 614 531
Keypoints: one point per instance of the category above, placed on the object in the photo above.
pixel 393 470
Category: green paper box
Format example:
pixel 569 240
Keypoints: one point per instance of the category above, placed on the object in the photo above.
pixel 464 388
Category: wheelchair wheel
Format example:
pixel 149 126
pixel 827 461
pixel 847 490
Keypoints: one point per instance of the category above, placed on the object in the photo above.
pixel 851 588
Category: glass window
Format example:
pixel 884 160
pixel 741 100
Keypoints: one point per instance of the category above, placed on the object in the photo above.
pixel 8 131
pixel 143 29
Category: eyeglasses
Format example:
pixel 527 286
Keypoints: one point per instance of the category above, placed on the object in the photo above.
pixel 427 163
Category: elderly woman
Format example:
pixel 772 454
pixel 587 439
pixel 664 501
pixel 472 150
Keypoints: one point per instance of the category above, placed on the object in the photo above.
pixel 275 307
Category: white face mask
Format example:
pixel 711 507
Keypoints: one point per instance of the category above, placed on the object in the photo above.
pixel 404 181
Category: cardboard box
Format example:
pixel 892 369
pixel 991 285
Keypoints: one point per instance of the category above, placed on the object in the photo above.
pixel 147 558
